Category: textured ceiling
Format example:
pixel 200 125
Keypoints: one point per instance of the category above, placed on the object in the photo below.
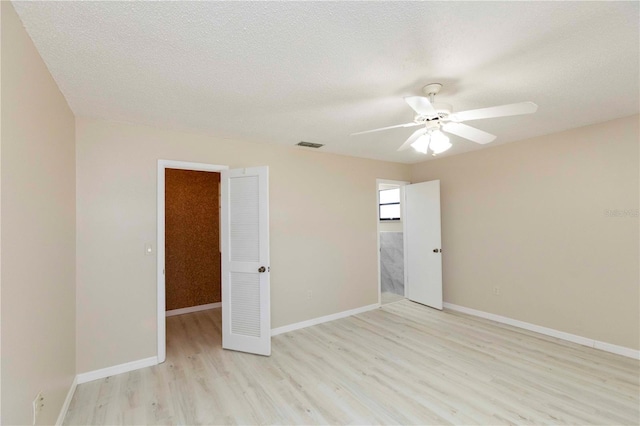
pixel 282 72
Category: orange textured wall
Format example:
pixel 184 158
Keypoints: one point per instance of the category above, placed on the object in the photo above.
pixel 192 240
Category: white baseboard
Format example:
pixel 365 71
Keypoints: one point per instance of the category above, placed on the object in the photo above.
pixel 615 349
pixel 116 369
pixel 584 341
pixel 320 320
pixel 191 309
pixel 67 402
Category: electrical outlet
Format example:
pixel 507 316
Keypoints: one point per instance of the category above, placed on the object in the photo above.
pixel 38 404
pixel 496 291
pixel 309 294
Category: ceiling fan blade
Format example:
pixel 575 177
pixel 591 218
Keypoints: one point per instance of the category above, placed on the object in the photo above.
pixel 497 111
pixel 421 105
pixel 387 128
pixel 468 132
pixel 414 137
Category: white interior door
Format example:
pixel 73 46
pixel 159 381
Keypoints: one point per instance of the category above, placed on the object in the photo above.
pixel 244 216
pixel 423 243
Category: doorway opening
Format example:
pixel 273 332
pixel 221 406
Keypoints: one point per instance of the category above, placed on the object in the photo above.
pixel 192 241
pixel 188 271
pixel 391 259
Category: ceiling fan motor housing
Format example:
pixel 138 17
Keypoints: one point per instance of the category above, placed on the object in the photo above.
pixel 443 111
pixel 431 125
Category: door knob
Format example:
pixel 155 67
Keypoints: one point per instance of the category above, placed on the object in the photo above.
pixel 262 269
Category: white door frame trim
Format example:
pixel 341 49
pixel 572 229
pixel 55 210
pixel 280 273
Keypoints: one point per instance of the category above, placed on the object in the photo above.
pixel 400 183
pixel 161 319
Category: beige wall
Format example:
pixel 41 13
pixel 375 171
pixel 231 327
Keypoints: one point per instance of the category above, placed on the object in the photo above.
pixel 322 224
pixel 38 232
pixel 529 217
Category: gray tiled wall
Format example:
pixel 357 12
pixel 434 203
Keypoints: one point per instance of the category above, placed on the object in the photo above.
pixel 392 262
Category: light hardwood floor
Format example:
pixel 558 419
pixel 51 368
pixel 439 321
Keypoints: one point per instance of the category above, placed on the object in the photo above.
pixel 401 364
pixel 388 297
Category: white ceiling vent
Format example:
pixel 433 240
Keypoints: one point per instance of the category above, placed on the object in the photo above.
pixel 309 144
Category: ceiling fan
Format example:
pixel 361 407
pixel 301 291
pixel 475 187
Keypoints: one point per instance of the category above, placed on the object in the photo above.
pixel 438 118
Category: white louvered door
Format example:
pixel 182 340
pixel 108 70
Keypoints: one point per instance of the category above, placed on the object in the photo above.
pixel 244 216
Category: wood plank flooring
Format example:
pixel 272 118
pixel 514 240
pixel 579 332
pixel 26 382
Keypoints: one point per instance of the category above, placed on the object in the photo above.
pixel 388 297
pixel 401 364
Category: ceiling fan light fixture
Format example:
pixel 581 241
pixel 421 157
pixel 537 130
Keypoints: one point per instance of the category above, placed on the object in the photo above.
pixel 421 144
pixel 439 142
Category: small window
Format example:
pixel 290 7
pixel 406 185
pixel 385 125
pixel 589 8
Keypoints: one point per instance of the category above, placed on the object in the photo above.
pixel 390 204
